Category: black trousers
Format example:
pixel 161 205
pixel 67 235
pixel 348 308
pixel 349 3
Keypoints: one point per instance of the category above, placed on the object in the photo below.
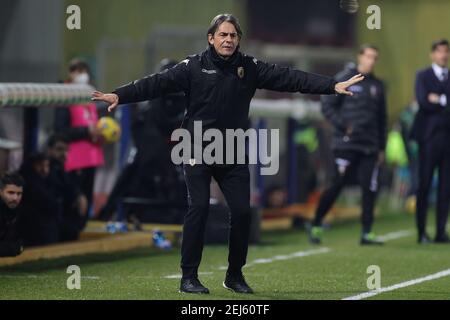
pixel 84 179
pixel 434 154
pixel 234 181
pixel 349 163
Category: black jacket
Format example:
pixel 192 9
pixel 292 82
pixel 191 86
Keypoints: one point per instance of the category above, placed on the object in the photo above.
pixel 65 191
pixel 364 112
pixel 219 91
pixel 431 118
pixel 10 244
pixel 40 204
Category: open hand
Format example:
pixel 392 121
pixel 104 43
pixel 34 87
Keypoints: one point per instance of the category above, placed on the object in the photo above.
pixel 111 98
pixel 341 87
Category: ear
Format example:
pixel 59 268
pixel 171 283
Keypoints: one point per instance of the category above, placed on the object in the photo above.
pixel 210 39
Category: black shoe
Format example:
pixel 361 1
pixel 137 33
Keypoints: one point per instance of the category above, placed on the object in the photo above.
pixel 315 235
pixel 370 239
pixel 424 239
pixel 192 285
pixel 236 283
pixel 442 239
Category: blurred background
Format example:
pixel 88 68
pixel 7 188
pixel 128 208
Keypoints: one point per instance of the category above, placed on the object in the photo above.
pixel 125 40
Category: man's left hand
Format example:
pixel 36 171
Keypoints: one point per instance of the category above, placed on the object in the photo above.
pixel 341 87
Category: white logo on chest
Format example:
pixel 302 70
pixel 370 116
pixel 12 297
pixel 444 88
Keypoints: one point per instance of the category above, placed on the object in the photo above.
pixel 209 71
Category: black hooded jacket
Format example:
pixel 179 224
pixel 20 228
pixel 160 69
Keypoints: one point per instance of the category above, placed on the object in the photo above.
pixel 10 244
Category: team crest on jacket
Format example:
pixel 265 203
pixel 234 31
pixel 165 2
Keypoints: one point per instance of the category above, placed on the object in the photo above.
pixel 240 72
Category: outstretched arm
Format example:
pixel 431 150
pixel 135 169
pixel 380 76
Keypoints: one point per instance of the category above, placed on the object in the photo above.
pixel 173 80
pixel 273 77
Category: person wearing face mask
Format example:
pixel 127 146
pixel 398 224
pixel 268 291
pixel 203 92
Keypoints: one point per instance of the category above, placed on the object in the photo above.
pixel 78 124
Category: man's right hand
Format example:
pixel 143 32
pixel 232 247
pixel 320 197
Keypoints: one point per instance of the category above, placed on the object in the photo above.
pixel 95 133
pixel 111 98
pixel 434 98
pixel 349 131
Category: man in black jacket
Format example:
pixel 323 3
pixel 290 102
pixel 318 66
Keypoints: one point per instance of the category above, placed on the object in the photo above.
pixel 431 130
pixel 11 189
pixel 41 218
pixel 219 85
pixel 72 203
pixel 359 141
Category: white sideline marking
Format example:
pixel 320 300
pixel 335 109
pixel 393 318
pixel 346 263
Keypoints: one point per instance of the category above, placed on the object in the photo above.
pixel 178 275
pixel 294 255
pixel 268 260
pixel 386 237
pixel 396 235
pixel 372 293
pixel 35 276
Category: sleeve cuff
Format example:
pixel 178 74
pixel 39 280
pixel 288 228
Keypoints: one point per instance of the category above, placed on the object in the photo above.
pixel 332 87
pixel 443 100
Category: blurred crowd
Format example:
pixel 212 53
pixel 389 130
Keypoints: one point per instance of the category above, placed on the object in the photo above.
pixel 50 199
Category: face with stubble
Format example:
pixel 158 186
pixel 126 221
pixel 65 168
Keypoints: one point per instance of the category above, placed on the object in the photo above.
pixel 11 195
pixel 225 40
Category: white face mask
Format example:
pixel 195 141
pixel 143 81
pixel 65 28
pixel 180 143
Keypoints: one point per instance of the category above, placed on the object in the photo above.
pixel 81 78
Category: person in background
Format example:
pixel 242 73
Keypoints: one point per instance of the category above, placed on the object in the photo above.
pixel 11 190
pixel 72 202
pixel 152 173
pixel 431 130
pixel 41 215
pixel 78 123
pixel 359 142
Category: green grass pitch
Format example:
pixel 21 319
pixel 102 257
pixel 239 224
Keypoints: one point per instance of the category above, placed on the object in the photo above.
pixel 336 272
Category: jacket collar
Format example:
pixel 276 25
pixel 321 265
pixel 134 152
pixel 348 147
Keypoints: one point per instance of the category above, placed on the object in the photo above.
pixel 231 63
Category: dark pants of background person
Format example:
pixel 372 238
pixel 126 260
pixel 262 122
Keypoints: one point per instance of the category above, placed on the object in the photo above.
pixel 365 167
pixel 234 181
pixel 84 179
pixel 434 154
